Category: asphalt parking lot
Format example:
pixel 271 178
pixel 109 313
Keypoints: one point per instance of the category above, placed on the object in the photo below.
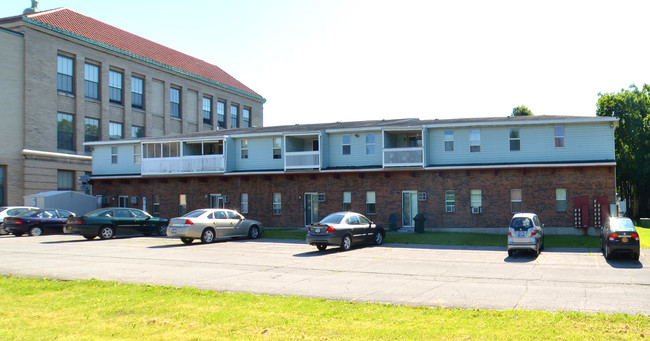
pixel 559 279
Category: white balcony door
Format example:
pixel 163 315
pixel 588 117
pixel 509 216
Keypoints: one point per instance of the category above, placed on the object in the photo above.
pixel 409 208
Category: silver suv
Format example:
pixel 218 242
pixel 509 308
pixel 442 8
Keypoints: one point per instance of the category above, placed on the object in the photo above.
pixel 525 233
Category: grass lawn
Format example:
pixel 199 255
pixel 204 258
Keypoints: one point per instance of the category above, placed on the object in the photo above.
pixel 644 237
pixel 42 309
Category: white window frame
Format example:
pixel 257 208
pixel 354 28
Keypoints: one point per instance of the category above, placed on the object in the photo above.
pixel 371 202
pixel 371 143
pixel 560 196
pixel 559 133
pixel 516 199
pixel 474 140
pixel 346 146
pixel 244 202
pixel 347 201
pixel 277 203
pixel 244 148
pixel 515 141
pixel 450 201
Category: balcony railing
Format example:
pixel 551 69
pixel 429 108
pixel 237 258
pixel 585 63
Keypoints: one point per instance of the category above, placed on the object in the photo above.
pixel 183 165
pixel 302 160
pixel 395 157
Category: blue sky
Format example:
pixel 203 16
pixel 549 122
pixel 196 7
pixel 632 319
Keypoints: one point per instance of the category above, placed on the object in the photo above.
pixel 347 60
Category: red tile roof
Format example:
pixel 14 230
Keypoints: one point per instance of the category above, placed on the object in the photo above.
pixel 97 31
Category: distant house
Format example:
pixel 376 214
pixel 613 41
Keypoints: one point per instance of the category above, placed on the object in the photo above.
pixel 458 173
pixel 69 79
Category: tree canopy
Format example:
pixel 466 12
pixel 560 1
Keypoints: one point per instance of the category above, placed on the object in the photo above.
pixel 632 141
pixel 521 110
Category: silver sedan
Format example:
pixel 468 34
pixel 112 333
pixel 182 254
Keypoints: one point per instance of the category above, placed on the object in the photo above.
pixel 209 224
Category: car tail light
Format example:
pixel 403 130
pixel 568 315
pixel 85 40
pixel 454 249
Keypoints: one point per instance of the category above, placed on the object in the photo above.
pixel 18 222
pixel 635 236
pixel 330 229
pixel 613 236
pixel 189 222
pixel 308 229
pixel 533 233
pixel 510 233
pixel 76 220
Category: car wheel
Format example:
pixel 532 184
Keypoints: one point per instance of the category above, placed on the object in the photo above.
pixel 106 232
pixel 162 230
pixel 321 247
pixel 379 238
pixel 207 236
pixel 346 243
pixel 254 232
pixel 187 240
pixel 35 231
pixel 608 255
pixel 90 237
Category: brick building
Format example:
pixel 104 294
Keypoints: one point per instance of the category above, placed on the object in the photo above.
pixel 458 173
pixel 69 79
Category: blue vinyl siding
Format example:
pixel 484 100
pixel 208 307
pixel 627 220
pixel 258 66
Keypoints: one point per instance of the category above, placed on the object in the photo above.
pixel 101 164
pixel 357 156
pixel 324 152
pixel 260 155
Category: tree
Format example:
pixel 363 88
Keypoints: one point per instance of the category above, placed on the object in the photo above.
pixel 521 110
pixel 632 143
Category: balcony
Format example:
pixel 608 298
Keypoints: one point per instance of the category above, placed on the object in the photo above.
pixel 302 160
pixel 402 157
pixel 183 165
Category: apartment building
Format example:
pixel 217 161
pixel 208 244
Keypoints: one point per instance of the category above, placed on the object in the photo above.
pixel 458 173
pixel 68 79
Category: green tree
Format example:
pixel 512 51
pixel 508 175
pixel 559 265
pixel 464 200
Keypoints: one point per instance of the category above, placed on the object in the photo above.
pixel 632 142
pixel 521 110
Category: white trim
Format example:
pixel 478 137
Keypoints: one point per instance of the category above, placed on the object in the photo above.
pixel 32 152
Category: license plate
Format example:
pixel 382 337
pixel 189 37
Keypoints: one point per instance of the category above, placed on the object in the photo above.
pixel 521 234
pixel 317 230
pixel 174 230
pixel 624 240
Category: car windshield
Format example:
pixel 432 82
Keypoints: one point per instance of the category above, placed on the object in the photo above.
pixel 623 225
pixel 521 222
pixel 193 214
pixel 333 219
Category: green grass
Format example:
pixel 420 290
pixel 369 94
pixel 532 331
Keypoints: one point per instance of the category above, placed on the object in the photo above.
pixel 454 238
pixel 644 237
pixel 42 309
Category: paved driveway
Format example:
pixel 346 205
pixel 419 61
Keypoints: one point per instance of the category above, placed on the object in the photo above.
pixel 559 279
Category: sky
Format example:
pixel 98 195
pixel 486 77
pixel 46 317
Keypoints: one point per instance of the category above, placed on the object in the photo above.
pixel 352 60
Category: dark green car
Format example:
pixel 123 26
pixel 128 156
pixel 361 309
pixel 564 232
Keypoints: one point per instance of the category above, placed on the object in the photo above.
pixel 108 222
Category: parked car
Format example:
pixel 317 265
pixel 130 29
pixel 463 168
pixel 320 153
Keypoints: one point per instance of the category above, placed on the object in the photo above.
pixel 108 222
pixel 37 222
pixel 618 236
pixel 344 229
pixel 525 233
pixel 209 224
pixel 8 211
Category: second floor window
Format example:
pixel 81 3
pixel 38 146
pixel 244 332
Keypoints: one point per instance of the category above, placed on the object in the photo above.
pixel 207 110
pixel 91 131
pixel 91 81
pixel 346 145
pixel 370 144
pixel 515 140
pixel 65 132
pixel 137 92
pixel 65 75
pixel 475 140
pixel 449 140
pixel 221 114
pixel 246 117
pixel 115 87
pixel 115 131
pixel 234 116
pixel 175 102
pixel 114 154
pixel 64 180
pixel 559 137
pixel 277 148
pixel 244 149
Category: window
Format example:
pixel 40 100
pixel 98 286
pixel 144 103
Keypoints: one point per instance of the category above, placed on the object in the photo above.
pixel 560 199
pixel 65 75
pixel 64 180
pixel 450 201
pixel 171 149
pixel 91 131
pixel 91 81
pixel 114 153
pixel 207 110
pixel 559 137
pixel 136 154
pixel 370 203
pixel 476 198
pixel 346 145
pixel 246 117
pixel 156 204
pixel 175 102
pixel 115 131
pixel 216 201
pixel 515 140
pixel 244 203
pixel 65 132
pixel 3 185
pixel 370 144
pixel 182 204
pixel 122 201
pixel 277 203
pixel 475 140
pixel 449 140
pixel 347 201
pixel 244 149
pixel 221 114
pixel 234 116
pixel 516 205
pixel 152 150
pixel 137 92
pixel 137 131
pixel 277 148
pixel 115 87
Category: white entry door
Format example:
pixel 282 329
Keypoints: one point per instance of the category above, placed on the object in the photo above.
pixel 409 208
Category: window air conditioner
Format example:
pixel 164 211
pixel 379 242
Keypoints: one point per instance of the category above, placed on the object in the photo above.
pixel 451 208
pixel 476 209
pixel 226 198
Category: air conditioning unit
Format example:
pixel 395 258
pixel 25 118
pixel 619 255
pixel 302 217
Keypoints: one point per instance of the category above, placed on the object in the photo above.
pixel 226 198
pixel 321 197
pixel 422 196
pixel 134 200
pixel 476 209
pixel 451 208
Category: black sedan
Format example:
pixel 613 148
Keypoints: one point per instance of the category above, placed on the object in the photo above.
pixel 107 222
pixel 37 222
pixel 619 236
pixel 344 229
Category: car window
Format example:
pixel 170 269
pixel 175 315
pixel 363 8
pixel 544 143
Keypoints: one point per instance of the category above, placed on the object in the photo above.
pixel 219 215
pixel 138 214
pixel 122 214
pixel 353 220
pixel 537 223
pixel 624 225
pixel 332 219
pixel 521 222
pixel 364 220
pixel 233 215
pixel 64 213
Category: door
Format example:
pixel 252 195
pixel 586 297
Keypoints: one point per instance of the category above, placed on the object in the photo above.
pixel 311 208
pixel 409 208
pixel 216 201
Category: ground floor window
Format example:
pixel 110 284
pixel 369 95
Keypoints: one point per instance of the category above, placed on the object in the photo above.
pixel 450 201
pixel 516 205
pixel 347 201
pixel 371 202
pixel 65 180
pixel 3 185
pixel 182 204
pixel 560 199
pixel 476 200
pixel 156 204
pixel 123 201
pixel 244 203
pixel 277 203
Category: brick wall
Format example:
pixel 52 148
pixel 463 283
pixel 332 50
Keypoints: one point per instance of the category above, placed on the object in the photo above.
pixel 538 190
